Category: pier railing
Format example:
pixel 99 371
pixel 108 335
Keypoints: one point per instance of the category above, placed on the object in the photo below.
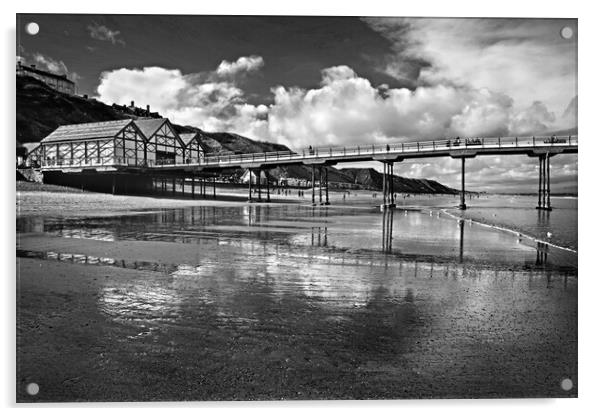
pixel 338 152
pixel 432 146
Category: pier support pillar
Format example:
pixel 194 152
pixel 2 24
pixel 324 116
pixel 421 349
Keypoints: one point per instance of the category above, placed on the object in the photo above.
pixel 321 181
pixel 388 189
pixel 214 188
pixel 250 186
pixel 326 187
pixel 543 193
pixel 463 192
pixel 193 179
pixel 548 176
pixel 258 182
pixel 540 183
pixel 267 180
pixel 313 185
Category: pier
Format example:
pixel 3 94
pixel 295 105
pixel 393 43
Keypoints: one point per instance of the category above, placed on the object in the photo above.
pixel 134 155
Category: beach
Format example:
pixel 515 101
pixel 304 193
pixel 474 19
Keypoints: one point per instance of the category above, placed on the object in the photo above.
pixel 126 298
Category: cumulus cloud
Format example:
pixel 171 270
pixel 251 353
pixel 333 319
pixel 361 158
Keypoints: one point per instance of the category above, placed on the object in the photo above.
pixel 533 119
pixel 204 100
pixel 526 59
pixel 101 32
pixel 347 109
pixel 243 64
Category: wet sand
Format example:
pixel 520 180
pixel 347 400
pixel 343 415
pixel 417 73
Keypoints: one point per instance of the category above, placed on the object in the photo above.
pixel 288 302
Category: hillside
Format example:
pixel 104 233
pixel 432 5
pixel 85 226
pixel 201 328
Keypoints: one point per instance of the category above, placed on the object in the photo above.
pixel 370 178
pixel 40 110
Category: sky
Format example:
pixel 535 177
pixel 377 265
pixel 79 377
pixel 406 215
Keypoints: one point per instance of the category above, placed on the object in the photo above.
pixel 323 81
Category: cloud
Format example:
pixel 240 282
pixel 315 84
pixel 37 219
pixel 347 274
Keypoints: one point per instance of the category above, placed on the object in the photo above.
pixel 50 64
pixel 241 65
pixel 533 119
pixel 526 59
pixel 347 109
pixel 101 32
pixel 204 100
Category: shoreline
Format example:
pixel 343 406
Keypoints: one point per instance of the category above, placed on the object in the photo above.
pixel 33 203
pixel 509 230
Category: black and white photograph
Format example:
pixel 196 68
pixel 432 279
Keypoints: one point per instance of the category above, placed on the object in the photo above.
pixel 215 208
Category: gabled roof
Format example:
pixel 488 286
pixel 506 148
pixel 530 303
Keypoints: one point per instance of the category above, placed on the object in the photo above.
pixel 30 146
pixel 187 137
pixel 149 126
pixel 85 131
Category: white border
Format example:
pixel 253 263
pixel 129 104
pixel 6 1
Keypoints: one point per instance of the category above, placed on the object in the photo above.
pixel 589 184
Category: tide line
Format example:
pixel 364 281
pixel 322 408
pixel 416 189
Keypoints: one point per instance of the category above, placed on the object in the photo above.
pixel 511 231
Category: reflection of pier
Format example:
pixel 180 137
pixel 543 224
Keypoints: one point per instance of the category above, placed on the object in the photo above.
pixel 319 236
pixel 542 254
pixel 543 218
pixel 196 225
pixel 461 253
pixel 387 243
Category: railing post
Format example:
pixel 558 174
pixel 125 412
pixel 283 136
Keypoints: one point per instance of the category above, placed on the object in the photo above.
pixel 499 142
pixel 433 145
pixel 569 140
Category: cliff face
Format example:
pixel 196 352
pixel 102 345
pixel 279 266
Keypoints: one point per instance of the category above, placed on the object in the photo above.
pixel 371 179
pixel 40 110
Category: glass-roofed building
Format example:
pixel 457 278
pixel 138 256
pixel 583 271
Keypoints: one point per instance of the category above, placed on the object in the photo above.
pixel 108 143
pixel 141 142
